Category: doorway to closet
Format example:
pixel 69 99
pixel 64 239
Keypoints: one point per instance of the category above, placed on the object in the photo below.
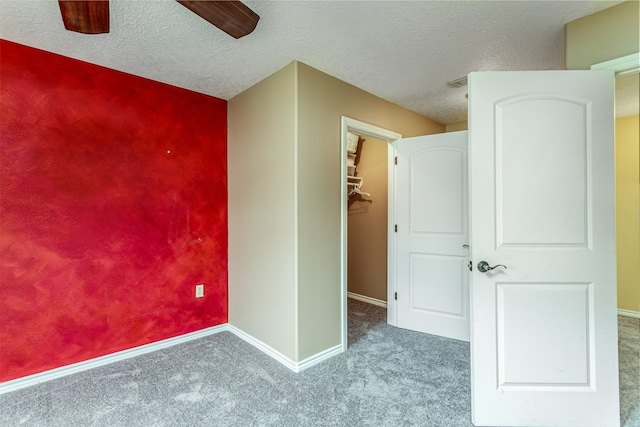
pixel 367 176
pixel 368 281
pixel 407 249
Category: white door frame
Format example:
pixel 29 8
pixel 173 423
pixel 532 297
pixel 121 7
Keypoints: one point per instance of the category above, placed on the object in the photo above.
pixel 622 66
pixel 366 129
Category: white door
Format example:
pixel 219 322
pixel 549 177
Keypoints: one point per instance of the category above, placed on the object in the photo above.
pixel 432 238
pixel 544 331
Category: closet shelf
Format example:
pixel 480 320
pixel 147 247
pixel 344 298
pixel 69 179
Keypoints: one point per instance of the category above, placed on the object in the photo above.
pixel 354 149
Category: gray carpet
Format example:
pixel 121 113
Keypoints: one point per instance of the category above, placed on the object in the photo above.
pixel 388 377
pixel 629 355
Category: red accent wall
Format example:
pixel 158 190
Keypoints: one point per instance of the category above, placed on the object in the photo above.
pixel 113 206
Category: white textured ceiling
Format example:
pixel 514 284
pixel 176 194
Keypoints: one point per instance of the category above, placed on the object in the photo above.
pixel 402 51
pixel 627 94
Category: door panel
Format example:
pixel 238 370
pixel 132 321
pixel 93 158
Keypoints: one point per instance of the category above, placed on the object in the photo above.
pixel 443 292
pixel 544 331
pixel 436 190
pixel 553 145
pixel 432 220
pixel 524 355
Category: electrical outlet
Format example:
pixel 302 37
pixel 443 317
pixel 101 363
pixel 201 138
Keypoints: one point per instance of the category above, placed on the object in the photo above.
pixel 200 290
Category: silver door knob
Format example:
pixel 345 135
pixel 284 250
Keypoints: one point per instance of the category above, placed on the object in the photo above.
pixel 483 266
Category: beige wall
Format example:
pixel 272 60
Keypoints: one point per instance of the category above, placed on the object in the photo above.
pixel 628 212
pixel 322 100
pixel 262 211
pixel 284 204
pixel 367 224
pixel 454 127
pixel 609 34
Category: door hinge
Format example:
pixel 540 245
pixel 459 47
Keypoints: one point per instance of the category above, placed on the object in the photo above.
pixel 395 296
pixel 395 228
pixel 396 160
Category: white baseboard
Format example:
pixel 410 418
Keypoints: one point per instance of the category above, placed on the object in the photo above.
pixel 12 385
pixel 30 380
pixel 369 300
pixel 286 361
pixel 265 348
pixel 317 358
pixel 629 313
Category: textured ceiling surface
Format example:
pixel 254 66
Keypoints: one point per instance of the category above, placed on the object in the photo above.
pixel 402 51
pixel 627 93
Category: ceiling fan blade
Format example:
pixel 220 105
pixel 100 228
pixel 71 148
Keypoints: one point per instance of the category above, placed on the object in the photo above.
pixel 87 17
pixel 232 17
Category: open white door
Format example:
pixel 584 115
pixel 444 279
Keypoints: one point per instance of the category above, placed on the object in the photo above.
pixel 544 331
pixel 432 237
